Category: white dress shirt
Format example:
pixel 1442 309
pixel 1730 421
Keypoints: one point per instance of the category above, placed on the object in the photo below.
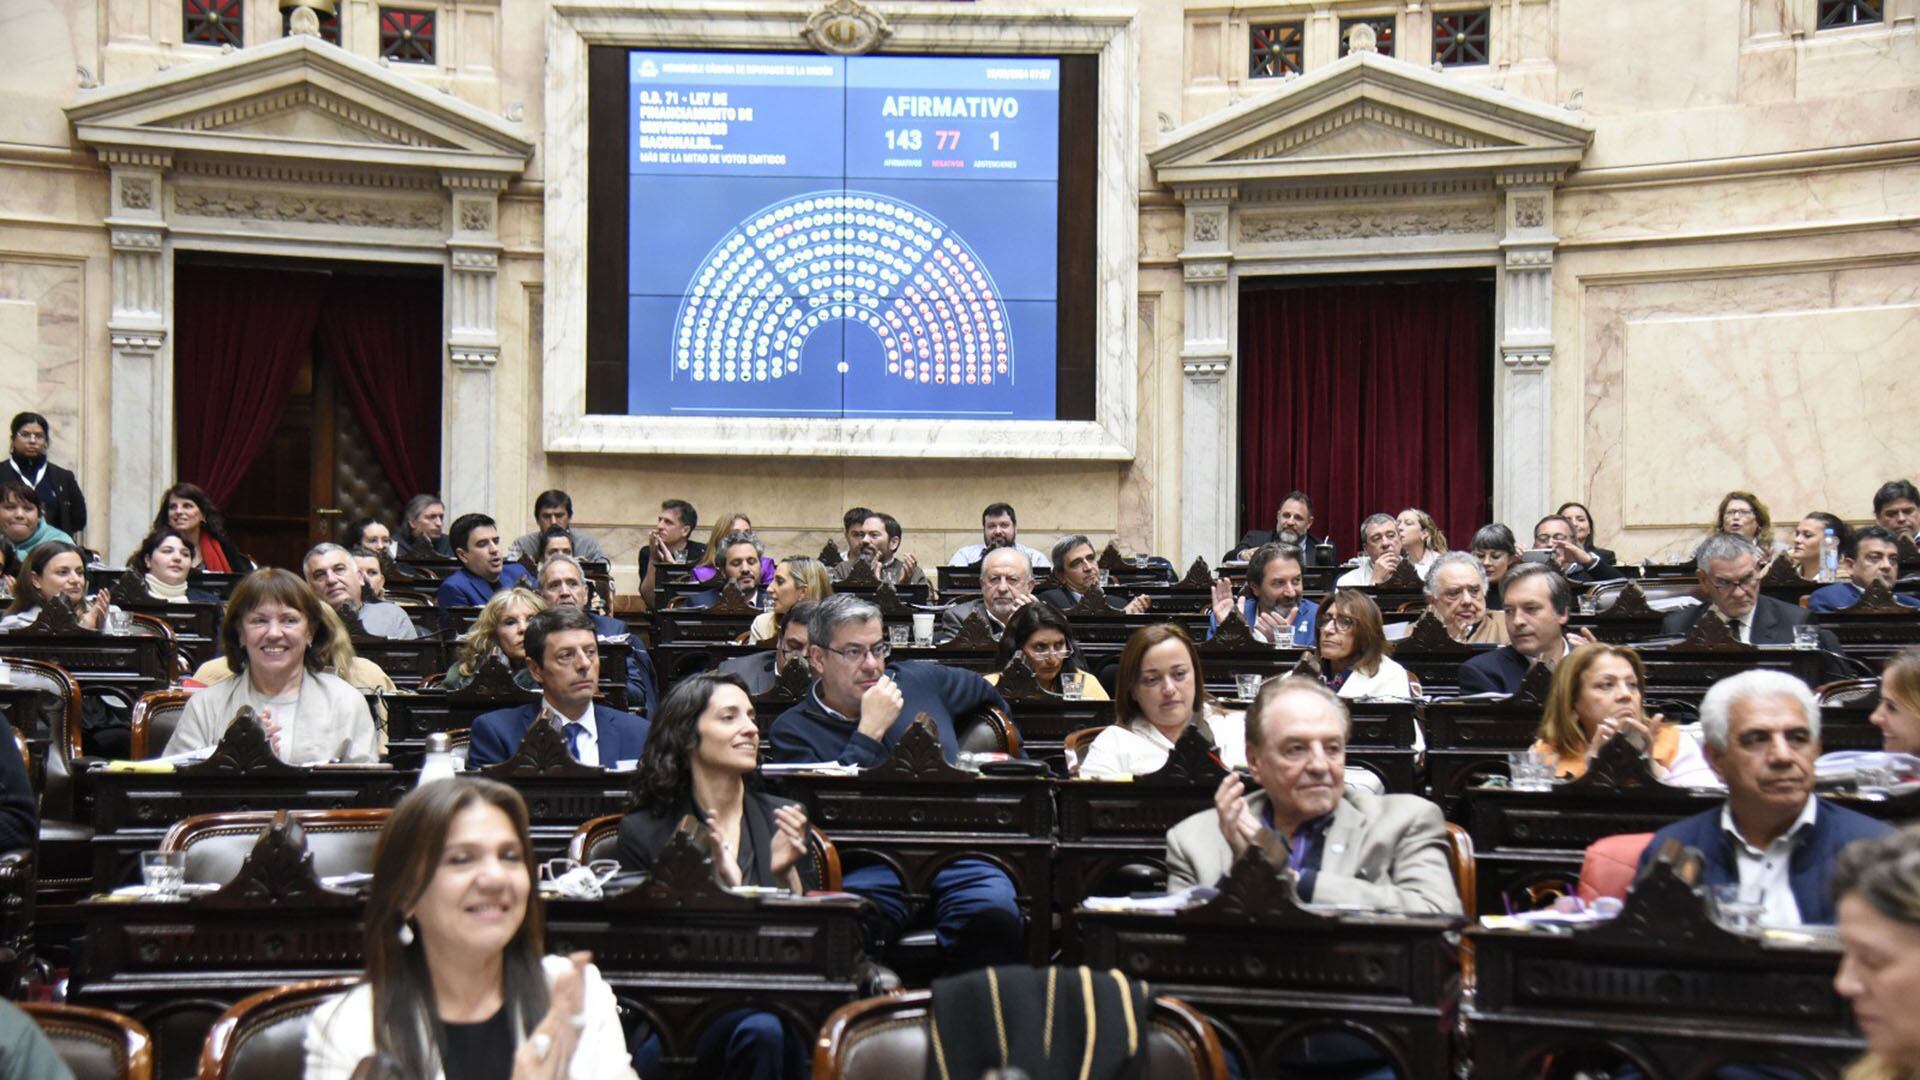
pixel 1766 873
pixel 1140 748
pixel 589 752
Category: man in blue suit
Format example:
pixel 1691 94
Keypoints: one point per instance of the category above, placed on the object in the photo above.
pixel 564 584
pixel 1538 601
pixel 563 656
pixel 1875 557
pixel 1771 837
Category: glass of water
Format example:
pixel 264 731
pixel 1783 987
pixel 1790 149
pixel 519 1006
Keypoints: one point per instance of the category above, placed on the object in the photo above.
pixel 163 872
pixel 1529 771
pixel 119 622
pixel 1738 908
pixel 897 635
pixel 1806 637
pixel 1589 604
pixel 1249 685
pixel 1073 685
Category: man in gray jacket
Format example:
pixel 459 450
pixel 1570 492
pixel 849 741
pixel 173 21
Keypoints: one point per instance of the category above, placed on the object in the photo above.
pixel 1347 847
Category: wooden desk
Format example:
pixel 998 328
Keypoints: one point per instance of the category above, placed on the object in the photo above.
pixel 406 661
pixel 917 813
pixel 1663 988
pixel 132 663
pixel 1265 970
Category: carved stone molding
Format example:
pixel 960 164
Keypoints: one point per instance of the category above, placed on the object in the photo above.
pixel 135 239
pixel 1208 270
pixel 1530 211
pixel 476 215
pixel 1205 368
pixel 846 28
pixel 307 209
pixel 1206 227
pixel 476 259
pixel 1529 258
pixel 474 357
pixel 1356 225
pixel 1526 357
pixel 136 193
pixel 138 341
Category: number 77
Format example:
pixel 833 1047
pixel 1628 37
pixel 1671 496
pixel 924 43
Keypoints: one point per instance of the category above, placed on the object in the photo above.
pixel 946 139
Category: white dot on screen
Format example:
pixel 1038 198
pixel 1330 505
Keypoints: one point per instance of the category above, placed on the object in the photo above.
pixel 841 367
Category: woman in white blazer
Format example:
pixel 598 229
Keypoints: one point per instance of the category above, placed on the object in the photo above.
pixel 456 985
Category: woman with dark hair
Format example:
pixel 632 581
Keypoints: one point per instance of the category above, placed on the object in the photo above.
pixel 55 573
pixel 1581 519
pixel 277 637
pixel 370 533
pixel 1497 551
pixel 1353 649
pixel 1805 551
pixel 456 985
pixel 191 512
pixel 60 498
pixel 1162 693
pixel 554 541
pixel 21 522
pixel 1044 638
pixel 702 760
pixel 163 562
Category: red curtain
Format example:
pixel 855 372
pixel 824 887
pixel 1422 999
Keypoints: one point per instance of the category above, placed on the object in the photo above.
pixel 1370 398
pixel 242 336
pixel 383 336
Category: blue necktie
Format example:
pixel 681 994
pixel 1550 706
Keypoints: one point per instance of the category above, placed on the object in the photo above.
pixel 573 729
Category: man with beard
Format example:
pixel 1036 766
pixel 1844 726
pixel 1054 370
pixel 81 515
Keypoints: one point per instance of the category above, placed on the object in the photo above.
pixel 1293 525
pixel 868 542
pixel 998 529
pixel 1273 606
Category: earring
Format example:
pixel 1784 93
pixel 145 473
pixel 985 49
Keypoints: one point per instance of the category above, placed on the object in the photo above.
pixel 405 935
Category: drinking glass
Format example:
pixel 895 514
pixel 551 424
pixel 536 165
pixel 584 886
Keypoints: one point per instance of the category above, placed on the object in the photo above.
pixel 897 635
pixel 1529 771
pixel 163 872
pixel 119 622
pixel 1249 685
pixel 1737 909
pixel 1073 685
pixel 1806 637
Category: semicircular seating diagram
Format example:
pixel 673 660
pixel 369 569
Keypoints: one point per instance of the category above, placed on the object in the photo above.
pixel 801 263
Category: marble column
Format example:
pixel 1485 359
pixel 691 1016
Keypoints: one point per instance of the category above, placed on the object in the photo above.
pixel 1208 424
pixel 140 387
pixel 1523 390
pixel 468 443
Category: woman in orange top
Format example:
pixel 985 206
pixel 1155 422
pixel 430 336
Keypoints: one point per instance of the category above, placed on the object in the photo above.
pixel 1595 696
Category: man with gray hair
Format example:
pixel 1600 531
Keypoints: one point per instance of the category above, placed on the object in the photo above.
pixel 1772 838
pixel 1345 846
pixel 1457 595
pixel 737 558
pixel 1006 586
pixel 1379 552
pixel 855 713
pixel 1729 569
pixel 1076 566
pixel 335 576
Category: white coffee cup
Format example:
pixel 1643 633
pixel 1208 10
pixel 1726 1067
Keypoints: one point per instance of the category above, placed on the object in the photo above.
pixel 923 628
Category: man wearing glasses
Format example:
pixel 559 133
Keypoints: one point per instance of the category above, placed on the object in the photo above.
pixel 1006 586
pixel 1729 569
pixel 855 713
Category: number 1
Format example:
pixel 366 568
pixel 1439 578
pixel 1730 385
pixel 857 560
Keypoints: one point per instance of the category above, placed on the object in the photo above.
pixel 995 136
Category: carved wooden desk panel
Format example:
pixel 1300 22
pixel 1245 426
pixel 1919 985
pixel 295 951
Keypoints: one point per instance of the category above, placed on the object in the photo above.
pixel 1661 987
pixel 1266 971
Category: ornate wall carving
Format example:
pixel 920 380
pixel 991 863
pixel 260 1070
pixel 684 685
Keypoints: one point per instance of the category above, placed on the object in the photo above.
pixel 306 209
pixel 1298 228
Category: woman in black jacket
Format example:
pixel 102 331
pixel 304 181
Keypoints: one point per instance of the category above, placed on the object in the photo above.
pixel 64 507
pixel 702 758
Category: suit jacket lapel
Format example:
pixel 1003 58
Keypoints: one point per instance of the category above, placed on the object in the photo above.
pixel 1340 853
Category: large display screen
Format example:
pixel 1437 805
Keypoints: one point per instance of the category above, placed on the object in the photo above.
pixel 859 237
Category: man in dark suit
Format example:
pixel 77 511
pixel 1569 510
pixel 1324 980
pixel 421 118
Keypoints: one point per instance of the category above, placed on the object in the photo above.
pixel 1872 554
pixel 738 561
pixel 1538 602
pixel 1578 565
pixel 1076 566
pixel 1896 507
pixel 564 584
pixel 1772 838
pixel 1728 567
pixel 1292 525
pixel 762 669
pixel 1006 586
pixel 563 656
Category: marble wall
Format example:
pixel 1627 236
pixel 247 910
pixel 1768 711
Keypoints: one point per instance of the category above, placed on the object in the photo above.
pixel 1734 285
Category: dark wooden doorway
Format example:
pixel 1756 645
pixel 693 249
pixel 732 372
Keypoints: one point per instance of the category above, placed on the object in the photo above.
pixel 317 473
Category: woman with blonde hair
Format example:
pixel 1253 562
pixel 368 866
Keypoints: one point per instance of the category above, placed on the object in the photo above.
pixel 1898 714
pixel 501 628
pixel 1595 697
pixel 795 578
pixel 1877 882
pixel 1421 541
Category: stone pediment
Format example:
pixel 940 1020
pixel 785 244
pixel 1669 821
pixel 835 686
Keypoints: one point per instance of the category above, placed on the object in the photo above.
pixel 1369 114
pixel 298 98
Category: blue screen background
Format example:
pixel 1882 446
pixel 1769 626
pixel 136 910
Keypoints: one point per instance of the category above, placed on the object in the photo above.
pixel 797 251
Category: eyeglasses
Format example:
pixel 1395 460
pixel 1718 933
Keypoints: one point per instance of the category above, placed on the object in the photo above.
pixel 1734 584
pixel 1050 650
pixel 1342 624
pixel 854 654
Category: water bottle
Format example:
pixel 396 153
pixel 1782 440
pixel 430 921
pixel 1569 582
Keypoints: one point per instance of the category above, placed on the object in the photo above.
pixel 1830 557
pixel 438 764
